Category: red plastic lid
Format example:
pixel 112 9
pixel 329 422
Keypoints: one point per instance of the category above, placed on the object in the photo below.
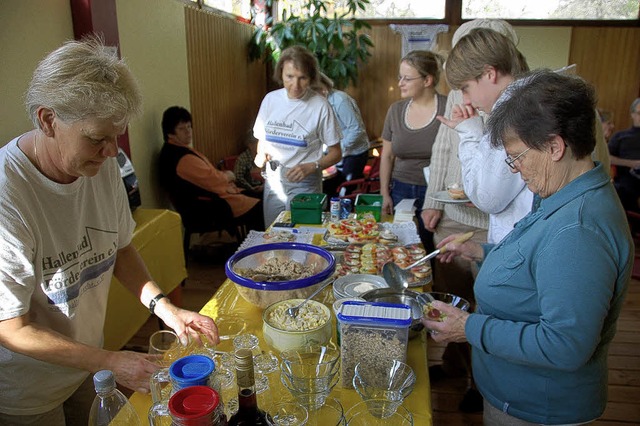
pixel 193 403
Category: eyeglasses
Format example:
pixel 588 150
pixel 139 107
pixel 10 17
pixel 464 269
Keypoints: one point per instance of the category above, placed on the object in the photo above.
pixel 404 78
pixel 510 161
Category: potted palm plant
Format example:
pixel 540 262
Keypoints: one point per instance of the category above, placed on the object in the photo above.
pixel 338 41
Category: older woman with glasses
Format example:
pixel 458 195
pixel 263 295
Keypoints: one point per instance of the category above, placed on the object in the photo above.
pixel 292 126
pixel 550 293
pixel 409 133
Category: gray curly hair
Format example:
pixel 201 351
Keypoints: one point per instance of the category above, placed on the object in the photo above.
pixel 84 79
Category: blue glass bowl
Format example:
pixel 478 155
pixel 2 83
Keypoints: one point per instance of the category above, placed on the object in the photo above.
pixel 265 292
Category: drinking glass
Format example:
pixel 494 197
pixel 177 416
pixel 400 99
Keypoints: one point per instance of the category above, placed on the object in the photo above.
pixel 166 346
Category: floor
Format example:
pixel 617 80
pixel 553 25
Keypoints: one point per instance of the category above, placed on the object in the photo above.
pixel 206 274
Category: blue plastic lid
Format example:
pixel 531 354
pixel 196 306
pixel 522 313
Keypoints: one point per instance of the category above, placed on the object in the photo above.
pixel 191 370
pixel 375 313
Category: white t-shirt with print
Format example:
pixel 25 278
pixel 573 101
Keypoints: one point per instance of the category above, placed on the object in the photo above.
pixel 56 263
pixel 295 129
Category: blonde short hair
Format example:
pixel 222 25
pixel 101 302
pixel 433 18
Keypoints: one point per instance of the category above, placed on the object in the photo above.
pixel 480 48
pixel 84 79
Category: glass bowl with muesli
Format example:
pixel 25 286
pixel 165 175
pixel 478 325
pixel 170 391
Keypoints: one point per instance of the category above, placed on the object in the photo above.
pixel 269 273
pixel 312 325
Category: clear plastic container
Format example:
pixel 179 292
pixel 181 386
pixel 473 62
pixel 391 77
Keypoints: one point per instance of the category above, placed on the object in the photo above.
pixel 110 407
pixel 372 333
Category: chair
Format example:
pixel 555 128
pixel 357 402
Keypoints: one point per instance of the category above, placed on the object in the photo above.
pixel 203 215
pixel 227 163
pixel 351 188
pixel 370 184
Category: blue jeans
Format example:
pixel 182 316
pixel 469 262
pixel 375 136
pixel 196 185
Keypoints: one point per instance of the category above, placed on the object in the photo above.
pixel 401 191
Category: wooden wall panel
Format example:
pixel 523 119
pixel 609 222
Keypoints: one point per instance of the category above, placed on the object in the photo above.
pixel 225 88
pixel 609 58
pixel 377 87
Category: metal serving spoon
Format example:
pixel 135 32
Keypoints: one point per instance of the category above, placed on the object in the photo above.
pixel 293 311
pixel 398 277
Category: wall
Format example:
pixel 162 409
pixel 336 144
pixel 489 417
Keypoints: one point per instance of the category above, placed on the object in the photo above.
pixel 545 47
pixel 29 30
pixel 153 42
pixel 226 89
pixel 609 58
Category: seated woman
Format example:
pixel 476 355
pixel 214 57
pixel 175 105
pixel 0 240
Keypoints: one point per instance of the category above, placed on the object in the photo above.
pixel 193 183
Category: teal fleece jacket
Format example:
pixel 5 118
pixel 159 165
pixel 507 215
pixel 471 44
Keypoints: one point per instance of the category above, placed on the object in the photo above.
pixel 549 295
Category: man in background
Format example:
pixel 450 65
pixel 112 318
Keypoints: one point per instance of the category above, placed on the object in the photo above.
pixel 624 149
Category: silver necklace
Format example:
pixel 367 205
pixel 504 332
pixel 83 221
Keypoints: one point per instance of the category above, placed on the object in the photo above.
pixel 433 116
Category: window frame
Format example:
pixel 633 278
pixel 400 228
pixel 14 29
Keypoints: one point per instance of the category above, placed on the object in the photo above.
pixel 453 16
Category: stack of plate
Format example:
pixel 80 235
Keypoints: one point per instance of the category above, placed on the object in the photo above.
pixel 354 285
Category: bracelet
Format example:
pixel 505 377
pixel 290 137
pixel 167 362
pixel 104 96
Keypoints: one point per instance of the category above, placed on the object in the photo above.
pixel 317 165
pixel 154 301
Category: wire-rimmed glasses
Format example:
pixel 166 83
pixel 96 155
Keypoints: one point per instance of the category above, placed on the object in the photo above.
pixel 406 79
pixel 511 161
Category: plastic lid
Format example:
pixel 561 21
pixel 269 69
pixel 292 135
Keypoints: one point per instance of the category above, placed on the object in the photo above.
pixel 375 313
pixel 191 369
pixel 193 403
pixel 103 380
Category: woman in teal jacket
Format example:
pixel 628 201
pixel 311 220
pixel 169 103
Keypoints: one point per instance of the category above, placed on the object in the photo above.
pixel 550 293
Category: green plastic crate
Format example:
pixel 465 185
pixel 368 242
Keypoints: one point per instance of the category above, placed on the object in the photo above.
pixel 307 208
pixel 369 203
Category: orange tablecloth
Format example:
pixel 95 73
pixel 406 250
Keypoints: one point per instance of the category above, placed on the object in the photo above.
pixel 227 301
pixel 158 238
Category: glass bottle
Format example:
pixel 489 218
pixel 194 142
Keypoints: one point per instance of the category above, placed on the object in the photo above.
pixel 110 406
pixel 248 411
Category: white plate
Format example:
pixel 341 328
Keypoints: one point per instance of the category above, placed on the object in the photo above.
pixel 354 285
pixel 444 197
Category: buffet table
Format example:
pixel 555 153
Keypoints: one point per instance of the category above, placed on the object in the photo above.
pixel 227 301
pixel 227 304
pixel 158 238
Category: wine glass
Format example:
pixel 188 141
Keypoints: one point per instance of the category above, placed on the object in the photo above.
pixel 165 345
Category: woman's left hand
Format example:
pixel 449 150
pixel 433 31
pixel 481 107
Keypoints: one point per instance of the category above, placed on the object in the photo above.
pixel 451 328
pixel 189 325
pixel 299 172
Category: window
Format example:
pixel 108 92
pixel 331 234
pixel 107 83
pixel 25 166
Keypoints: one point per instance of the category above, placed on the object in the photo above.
pixel 551 9
pixel 377 9
pixel 235 7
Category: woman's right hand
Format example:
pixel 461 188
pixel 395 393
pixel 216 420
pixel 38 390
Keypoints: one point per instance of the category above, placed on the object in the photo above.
pixel 133 370
pixel 431 218
pixel 387 205
pixel 469 250
pixel 459 113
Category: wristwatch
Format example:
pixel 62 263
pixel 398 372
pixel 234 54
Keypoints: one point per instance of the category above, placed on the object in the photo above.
pixel 317 165
pixel 154 301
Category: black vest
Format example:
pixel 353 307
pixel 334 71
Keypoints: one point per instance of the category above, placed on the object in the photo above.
pixel 197 207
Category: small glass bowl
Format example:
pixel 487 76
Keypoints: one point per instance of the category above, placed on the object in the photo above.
pixel 391 381
pixel 374 412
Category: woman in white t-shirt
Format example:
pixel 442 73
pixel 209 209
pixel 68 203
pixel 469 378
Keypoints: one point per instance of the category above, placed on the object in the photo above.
pixel 292 126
